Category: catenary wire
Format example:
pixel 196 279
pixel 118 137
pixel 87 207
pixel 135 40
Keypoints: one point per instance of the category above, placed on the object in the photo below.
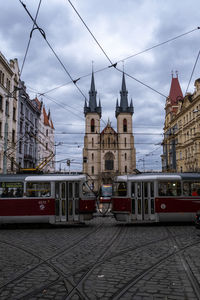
pixel 29 41
pixel 61 63
pixel 192 72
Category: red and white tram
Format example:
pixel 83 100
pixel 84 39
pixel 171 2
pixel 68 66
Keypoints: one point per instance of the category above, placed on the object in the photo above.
pixel 45 199
pixel 156 197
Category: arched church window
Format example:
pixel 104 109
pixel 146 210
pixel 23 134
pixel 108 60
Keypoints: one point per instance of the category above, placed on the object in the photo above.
pixel 92 125
pixel 125 125
pixel 109 161
pixel 92 156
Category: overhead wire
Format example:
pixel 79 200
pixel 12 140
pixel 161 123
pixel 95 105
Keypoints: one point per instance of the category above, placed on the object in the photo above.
pixel 56 55
pixel 192 71
pixel 29 41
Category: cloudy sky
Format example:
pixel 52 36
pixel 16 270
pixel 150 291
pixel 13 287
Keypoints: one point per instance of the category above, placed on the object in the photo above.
pixel 122 28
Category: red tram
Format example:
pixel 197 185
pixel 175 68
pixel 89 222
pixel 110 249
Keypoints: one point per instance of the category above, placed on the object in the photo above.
pixel 156 197
pixel 45 199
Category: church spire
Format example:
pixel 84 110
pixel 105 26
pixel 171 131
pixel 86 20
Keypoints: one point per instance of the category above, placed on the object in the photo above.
pixel 92 107
pixel 123 100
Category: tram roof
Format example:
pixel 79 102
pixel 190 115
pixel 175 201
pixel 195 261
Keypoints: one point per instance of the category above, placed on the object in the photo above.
pixel 158 176
pixel 65 177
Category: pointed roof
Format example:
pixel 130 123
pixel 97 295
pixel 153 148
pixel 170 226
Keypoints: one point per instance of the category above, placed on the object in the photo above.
pixel 175 93
pixel 92 94
pixel 123 107
pixel 123 94
pixel 46 120
pixel 92 106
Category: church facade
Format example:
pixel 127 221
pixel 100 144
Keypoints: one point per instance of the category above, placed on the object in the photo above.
pixel 108 153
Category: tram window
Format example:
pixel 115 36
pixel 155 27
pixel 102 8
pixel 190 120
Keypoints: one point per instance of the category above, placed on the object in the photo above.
pixel 38 189
pixel 169 188
pixel 139 206
pixel 152 206
pixel 152 189
pixel 76 189
pixel 120 189
pixel 85 189
pixel 191 188
pixel 145 189
pixel 139 190
pixel 133 206
pixel 57 185
pixel 70 190
pixel 11 189
pixel 132 189
pixel 63 190
pixel 146 206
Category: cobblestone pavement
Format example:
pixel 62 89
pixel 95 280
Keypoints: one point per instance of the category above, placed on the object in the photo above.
pixel 102 260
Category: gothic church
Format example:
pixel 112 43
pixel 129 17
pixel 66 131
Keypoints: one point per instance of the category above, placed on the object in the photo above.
pixel 108 153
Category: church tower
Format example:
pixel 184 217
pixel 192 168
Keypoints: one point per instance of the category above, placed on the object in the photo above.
pixel 126 149
pixel 91 150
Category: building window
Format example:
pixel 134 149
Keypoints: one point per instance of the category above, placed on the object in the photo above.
pixel 92 142
pixel 14 114
pixel 46 146
pixel 7 108
pixel 125 156
pixel 92 125
pixel 20 147
pixel 109 161
pixel 108 142
pixel 21 127
pixel 92 169
pixel 47 132
pixel 13 136
pixel 125 169
pixel 22 109
pixel 12 164
pixel 125 142
pixel 1 102
pixel 92 156
pixel 124 125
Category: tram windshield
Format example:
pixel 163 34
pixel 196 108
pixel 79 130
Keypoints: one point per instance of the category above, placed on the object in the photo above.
pixel 106 191
pixel 169 188
pixel 11 189
pixel 120 189
pixel 86 190
pixel 38 189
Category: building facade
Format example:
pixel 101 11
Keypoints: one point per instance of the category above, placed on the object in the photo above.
pixel 9 80
pixel 108 153
pixel 29 112
pixel 181 143
pixel 46 141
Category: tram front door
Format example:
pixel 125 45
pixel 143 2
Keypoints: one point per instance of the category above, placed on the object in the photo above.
pixel 67 201
pixel 143 200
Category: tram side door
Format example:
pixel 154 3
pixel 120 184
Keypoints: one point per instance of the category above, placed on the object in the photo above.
pixel 73 201
pixel 145 201
pixel 61 201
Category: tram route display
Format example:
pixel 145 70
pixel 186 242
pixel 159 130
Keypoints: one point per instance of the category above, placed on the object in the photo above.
pixel 156 197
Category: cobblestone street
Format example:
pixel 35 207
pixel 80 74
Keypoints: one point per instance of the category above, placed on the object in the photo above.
pixel 101 260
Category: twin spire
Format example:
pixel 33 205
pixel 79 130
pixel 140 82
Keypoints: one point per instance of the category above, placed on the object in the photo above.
pixel 119 109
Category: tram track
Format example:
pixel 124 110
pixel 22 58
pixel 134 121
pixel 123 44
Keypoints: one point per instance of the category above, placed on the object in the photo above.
pixel 45 261
pixel 72 288
pixel 177 252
